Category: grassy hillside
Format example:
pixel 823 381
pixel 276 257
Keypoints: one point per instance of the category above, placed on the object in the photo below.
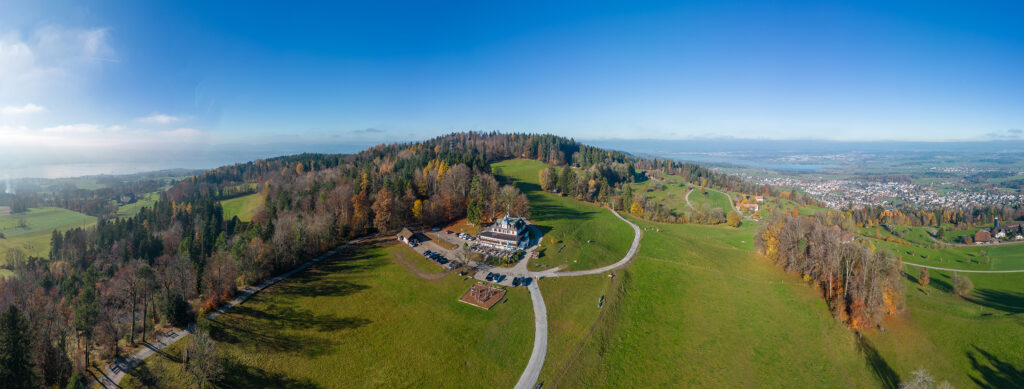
pixel 591 236
pixel 698 309
pixel 713 198
pixel 243 206
pixel 35 238
pixel 364 319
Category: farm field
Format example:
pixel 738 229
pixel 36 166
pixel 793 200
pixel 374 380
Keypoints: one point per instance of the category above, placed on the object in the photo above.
pixel 243 206
pixel 569 223
pixel 35 239
pixel 364 319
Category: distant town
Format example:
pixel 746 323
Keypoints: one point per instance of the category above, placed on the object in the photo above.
pixel 851 194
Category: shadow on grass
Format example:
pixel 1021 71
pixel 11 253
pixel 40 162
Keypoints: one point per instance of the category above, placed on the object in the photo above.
pixel 942 282
pixel 995 373
pixel 886 375
pixel 1003 301
pixel 313 282
pixel 237 375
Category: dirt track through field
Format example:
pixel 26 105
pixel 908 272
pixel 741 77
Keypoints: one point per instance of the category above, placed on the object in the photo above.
pixel 417 272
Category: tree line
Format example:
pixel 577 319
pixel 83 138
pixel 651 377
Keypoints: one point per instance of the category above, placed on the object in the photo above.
pixel 861 285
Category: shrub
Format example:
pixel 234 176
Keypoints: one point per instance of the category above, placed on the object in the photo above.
pixel 962 285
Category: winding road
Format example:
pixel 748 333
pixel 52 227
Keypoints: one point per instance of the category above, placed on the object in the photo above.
pixel 540 314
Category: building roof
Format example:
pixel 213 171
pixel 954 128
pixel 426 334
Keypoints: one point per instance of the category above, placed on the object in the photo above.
pixel 498 236
pixel 406 234
pixel 982 236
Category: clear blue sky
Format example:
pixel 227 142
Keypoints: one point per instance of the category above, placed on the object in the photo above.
pixel 74 76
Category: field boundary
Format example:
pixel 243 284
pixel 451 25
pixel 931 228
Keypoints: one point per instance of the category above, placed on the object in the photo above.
pixel 113 373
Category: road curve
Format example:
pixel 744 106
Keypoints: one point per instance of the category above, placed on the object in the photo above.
pixel 637 234
pixel 540 340
pixel 540 314
pixel 964 270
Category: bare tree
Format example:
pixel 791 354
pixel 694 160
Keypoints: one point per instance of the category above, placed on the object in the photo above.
pixel 202 366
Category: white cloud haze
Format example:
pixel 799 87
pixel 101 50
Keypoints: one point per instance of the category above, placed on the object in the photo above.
pixel 159 118
pixel 21 110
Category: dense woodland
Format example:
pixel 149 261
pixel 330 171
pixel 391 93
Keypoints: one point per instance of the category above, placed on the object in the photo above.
pixel 860 285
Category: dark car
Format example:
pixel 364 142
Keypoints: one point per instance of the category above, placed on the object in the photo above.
pixel 515 281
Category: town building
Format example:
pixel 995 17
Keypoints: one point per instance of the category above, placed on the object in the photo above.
pixel 506 232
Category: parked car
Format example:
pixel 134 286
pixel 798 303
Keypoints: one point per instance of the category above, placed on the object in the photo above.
pixel 449 232
pixel 435 229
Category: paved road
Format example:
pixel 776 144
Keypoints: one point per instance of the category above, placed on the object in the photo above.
pixel 964 270
pixel 540 339
pixel 114 372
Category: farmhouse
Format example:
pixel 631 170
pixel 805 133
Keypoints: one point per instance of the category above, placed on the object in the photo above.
pixel 506 232
pixel 982 236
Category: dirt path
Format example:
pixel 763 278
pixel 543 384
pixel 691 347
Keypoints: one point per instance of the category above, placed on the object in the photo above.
pixel 964 270
pixel 417 272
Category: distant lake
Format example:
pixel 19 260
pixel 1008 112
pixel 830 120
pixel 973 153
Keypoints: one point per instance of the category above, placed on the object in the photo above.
pixel 703 158
pixel 109 168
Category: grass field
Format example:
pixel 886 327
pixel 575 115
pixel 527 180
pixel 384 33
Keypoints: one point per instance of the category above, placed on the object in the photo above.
pixel 591 236
pixel 147 200
pixel 364 320
pixel 713 199
pixel 35 239
pixel 671 191
pixel 243 206
pixel 698 309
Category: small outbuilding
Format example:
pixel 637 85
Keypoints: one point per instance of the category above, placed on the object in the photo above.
pixel 406 236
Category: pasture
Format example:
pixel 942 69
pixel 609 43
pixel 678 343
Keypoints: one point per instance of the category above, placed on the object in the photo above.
pixel 145 201
pixel 576 234
pixel 363 319
pixel 34 237
pixel 242 206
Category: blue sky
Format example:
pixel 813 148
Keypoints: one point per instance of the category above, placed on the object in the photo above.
pixel 86 80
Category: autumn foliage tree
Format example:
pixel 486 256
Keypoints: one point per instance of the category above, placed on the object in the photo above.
pixel 733 218
pixel 859 284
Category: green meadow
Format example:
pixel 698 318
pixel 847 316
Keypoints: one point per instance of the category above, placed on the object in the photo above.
pixel 363 319
pixel 698 309
pixel 145 201
pixel 243 206
pixel 576 234
pixel 41 222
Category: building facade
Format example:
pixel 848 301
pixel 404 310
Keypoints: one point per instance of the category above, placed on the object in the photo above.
pixel 506 232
